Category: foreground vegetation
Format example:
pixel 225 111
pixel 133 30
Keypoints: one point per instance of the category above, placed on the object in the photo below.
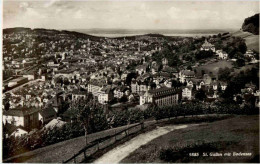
pixel 237 134
pixel 13 146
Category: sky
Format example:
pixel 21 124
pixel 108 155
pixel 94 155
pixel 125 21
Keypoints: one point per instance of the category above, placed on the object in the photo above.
pixel 61 14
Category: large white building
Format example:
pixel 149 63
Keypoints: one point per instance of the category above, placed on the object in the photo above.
pixel 161 96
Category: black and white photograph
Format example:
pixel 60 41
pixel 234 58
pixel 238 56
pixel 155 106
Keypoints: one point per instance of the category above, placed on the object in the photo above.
pixel 130 81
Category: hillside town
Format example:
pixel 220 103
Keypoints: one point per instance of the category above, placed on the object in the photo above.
pixel 45 71
pixel 58 85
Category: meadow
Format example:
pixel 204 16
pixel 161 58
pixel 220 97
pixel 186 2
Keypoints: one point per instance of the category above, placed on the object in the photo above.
pixel 237 134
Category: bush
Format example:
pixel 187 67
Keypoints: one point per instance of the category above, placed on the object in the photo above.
pixel 169 155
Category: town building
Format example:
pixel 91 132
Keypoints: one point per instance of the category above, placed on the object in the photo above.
pixel 79 95
pixel 221 54
pixel 17 81
pixel 46 115
pixel 187 93
pixel 95 85
pixel 186 75
pixel 161 96
pixel 105 95
pixel 207 46
pixel 12 130
pixel 25 117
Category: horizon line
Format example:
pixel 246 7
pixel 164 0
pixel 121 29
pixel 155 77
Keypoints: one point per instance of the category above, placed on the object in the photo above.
pixel 121 28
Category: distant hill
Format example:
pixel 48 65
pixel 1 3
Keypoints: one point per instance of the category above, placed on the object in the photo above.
pixel 251 24
pixel 41 31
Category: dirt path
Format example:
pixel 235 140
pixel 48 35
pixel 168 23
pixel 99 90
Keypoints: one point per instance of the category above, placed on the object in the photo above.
pixel 119 153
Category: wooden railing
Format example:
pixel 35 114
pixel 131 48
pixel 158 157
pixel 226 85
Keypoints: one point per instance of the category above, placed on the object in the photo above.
pixel 102 143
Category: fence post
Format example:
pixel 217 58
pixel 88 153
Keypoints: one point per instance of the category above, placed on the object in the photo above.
pixel 98 145
pixel 85 154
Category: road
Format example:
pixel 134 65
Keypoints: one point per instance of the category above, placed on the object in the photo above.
pixel 120 152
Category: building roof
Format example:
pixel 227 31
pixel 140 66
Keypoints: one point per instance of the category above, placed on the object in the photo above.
pixel 18 79
pixel 188 73
pixel 206 44
pixel 169 69
pixel 54 123
pixel 47 112
pixel 106 89
pixel 214 82
pixel 98 82
pixel 164 91
pixel 21 111
pixel 162 74
pixel 79 92
pixel 10 128
pixel 223 83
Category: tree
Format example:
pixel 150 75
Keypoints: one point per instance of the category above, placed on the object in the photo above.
pixel 240 62
pixel 200 95
pixel 239 99
pixel 129 77
pixel 85 114
pixel 189 67
pixel 123 99
pixel 224 74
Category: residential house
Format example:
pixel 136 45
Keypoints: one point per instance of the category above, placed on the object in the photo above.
pixel 106 95
pixel 221 54
pixel 249 53
pixel 141 69
pixel 46 115
pixel 165 61
pixel 207 79
pixel 12 130
pixel 223 85
pixel 26 117
pixel 79 95
pixel 139 86
pixel 190 83
pixel 199 83
pixel 173 71
pixel 120 91
pixel 214 85
pixel 186 75
pixel 95 85
pixel 187 93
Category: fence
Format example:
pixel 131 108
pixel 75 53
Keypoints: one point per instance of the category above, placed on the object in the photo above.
pixel 102 143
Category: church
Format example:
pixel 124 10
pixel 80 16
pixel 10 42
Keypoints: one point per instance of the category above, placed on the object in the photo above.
pixel 207 46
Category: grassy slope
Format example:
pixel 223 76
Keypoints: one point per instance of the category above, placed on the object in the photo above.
pixel 242 131
pixel 62 150
pixel 214 67
pixel 252 41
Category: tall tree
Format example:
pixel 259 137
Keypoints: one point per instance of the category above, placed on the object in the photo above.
pixel 85 110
